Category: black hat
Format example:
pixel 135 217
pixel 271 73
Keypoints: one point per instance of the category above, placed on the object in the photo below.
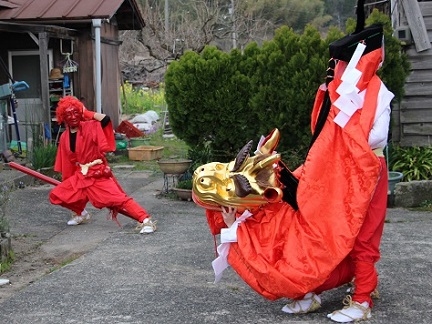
pixel 372 37
pixel 343 48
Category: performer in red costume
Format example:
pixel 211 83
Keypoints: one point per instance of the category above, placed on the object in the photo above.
pixel 330 234
pixel 86 175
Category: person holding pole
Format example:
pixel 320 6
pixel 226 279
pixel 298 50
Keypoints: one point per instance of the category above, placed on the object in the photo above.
pixel 86 175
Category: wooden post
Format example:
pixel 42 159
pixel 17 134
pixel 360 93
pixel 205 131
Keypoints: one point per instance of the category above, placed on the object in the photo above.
pixel 43 54
pixel 416 24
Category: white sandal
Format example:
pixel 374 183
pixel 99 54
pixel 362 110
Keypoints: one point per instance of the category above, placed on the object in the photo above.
pixel 310 302
pixel 352 312
pixel 79 219
pixel 351 289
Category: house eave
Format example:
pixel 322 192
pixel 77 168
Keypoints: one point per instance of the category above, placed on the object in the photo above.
pixel 53 30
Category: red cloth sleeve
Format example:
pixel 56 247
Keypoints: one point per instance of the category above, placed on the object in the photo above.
pixel 88 114
pixel 108 131
pixel 215 221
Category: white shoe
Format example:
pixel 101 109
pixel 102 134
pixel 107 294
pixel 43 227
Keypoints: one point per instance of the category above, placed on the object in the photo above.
pixel 79 219
pixel 147 226
pixel 310 302
pixel 353 312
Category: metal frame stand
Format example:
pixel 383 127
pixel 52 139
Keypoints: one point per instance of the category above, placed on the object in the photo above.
pixel 170 181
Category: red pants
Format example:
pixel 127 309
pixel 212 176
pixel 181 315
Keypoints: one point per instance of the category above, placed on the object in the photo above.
pixel 360 263
pixel 103 192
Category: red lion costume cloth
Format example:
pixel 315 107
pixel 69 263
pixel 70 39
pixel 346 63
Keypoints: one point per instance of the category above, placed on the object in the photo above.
pixel 286 251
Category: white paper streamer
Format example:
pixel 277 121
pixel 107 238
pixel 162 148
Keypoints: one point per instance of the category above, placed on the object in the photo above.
pixel 228 235
pixel 350 99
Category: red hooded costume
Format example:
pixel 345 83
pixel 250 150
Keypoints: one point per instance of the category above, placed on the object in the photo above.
pixel 87 176
pixel 282 252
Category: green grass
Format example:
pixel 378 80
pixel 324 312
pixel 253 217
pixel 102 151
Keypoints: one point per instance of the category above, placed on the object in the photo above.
pixel 7 263
pixel 173 148
pixel 44 156
pixel 140 101
pixel 424 206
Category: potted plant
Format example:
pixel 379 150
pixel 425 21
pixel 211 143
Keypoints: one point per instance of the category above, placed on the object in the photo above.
pixel 394 177
pixel 174 166
pixel 183 189
pixel 139 141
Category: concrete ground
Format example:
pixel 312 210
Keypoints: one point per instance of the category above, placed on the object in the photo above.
pixel 102 273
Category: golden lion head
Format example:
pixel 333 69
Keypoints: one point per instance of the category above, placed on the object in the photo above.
pixel 244 183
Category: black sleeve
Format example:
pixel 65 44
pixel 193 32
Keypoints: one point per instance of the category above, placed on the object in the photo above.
pixel 105 121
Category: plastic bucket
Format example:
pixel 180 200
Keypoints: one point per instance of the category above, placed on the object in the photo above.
pixel 394 178
pixel 134 142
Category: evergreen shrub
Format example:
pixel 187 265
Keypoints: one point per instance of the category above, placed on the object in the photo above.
pixel 220 101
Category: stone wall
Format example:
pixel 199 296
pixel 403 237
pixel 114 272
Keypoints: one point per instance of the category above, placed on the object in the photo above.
pixel 413 193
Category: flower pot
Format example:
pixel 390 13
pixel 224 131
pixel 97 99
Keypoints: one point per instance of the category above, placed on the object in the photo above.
pixel 138 141
pixel 394 178
pixel 174 166
pixel 184 194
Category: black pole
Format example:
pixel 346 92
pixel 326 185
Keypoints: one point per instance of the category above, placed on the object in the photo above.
pixel 12 103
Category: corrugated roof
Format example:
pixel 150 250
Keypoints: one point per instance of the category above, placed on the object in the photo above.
pixel 61 10
pixel 7 4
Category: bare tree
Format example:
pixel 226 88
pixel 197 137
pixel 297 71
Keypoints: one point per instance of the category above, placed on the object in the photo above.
pixel 191 25
pixel 173 27
pixel 170 31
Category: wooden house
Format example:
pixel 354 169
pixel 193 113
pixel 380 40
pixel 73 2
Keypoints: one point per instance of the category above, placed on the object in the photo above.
pixel 61 47
pixel 412 118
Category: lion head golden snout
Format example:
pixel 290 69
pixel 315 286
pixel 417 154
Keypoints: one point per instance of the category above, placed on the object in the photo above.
pixel 253 185
pixel 247 182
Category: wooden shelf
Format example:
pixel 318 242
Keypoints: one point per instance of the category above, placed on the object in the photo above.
pixel 57 91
